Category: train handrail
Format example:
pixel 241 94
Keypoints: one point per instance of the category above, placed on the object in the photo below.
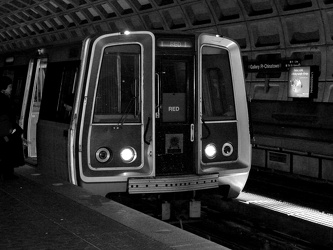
pixel 146 130
pixel 207 128
pixel 125 114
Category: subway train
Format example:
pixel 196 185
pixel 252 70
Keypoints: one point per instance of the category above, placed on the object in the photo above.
pixel 136 112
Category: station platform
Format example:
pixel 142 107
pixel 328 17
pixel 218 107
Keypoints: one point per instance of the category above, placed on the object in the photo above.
pixel 41 212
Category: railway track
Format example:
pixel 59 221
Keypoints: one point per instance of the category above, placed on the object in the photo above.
pixel 220 223
pixel 292 188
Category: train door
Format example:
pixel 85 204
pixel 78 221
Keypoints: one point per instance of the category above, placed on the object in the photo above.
pixel 174 119
pixel 115 134
pixel 31 103
pixel 30 75
pixel 221 91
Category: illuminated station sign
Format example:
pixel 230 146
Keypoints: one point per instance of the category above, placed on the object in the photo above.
pixel 283 65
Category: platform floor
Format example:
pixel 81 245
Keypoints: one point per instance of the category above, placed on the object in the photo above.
pixel 39 212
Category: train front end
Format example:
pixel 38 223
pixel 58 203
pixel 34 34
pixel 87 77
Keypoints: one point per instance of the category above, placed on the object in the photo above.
pixel 160 113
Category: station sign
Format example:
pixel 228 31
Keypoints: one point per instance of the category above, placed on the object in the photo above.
pixel 271 66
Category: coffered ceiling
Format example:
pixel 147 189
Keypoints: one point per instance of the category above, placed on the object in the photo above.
pixel 259 26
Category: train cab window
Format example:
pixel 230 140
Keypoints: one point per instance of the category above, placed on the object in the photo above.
pixel 118 91
pixel 217 89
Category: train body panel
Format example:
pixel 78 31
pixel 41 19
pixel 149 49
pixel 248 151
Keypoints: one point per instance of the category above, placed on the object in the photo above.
pixel 145 112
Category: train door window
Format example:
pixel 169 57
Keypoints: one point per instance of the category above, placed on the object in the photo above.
pixel 217 89
pixel 174 88
pixel 118 91
pixel 40 77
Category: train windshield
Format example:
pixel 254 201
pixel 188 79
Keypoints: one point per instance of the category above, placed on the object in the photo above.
pixel 118 91
pixel 217 90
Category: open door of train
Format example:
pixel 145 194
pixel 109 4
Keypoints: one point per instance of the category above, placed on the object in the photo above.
pixel 223 118
pixel 31 103
pixel 175 84
pixel 115 133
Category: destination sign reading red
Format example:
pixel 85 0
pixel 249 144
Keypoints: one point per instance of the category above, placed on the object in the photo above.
pixel 168 43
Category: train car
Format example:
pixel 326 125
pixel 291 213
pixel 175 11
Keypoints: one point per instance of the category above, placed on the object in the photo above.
pixel 143 112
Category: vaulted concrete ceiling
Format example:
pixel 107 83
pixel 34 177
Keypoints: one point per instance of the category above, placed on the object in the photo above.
pixel 265 29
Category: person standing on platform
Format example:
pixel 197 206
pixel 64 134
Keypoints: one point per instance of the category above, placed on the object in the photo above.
pixel 11 148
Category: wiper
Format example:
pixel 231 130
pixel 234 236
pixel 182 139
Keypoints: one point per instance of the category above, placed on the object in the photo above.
pixel 127 111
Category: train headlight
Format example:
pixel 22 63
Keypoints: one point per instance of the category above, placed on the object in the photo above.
pixel 103 155
pixel 210 151
pixel 128 154
pixel 227 149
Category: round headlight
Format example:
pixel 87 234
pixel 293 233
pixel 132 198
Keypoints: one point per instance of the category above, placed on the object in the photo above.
pixel 103 155
pixel 210 151
pixel 227 149
pixel 128 154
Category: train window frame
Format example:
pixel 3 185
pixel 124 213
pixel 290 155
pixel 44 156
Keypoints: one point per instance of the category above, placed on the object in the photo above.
pixel 122 111
pixel 217 79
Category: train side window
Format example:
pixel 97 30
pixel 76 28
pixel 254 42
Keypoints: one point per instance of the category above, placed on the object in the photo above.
pixel 118 92
pixel 58 93
pixel 217 89
pixel 18 75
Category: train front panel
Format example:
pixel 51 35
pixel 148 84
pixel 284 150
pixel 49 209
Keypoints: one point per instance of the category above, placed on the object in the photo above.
pixel 115 126
pixel 160 113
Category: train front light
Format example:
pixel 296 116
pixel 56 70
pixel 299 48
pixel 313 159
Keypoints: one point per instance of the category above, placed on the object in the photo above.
pixel 128 154
pixel 210 151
